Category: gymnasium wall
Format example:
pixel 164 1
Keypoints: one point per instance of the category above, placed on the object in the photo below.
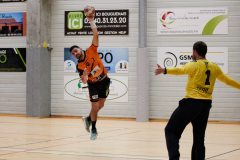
pixel 13 84
pixel 166 91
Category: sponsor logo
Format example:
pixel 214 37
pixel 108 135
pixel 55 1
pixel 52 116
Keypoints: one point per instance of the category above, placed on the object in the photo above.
pixel 3 56
pixel 121 66
pixel 69 66
pixel 95 97
pixel 170 60
pixel 75 20
pixel 167 18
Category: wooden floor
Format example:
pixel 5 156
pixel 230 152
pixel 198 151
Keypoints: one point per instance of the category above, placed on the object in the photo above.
pixel 24 138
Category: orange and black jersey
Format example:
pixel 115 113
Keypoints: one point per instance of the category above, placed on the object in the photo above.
pixel 93 64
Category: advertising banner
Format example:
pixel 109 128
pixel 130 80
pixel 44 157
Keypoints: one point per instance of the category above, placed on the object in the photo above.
pixel 1 1
pixel 109 22
pixel 74 89
pixel 13 24
pixel 115 60
pixel 12 59
pixel 177 56
pixel 192 20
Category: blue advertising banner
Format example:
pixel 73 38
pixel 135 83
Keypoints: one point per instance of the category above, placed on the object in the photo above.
pixel 115 60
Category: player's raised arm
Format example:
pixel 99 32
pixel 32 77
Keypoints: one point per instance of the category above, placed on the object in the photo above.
pixel 90 14
pixel 95 40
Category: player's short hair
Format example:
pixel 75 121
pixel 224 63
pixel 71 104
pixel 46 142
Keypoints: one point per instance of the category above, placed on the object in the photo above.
pixel 201 48
pixel 74 46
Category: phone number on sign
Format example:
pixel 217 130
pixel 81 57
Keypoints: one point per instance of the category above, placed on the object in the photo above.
pixel 114 20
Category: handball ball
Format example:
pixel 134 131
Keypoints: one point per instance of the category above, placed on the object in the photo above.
pixel 89 11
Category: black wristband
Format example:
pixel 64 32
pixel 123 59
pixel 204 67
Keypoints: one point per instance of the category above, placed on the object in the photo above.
pixel 165 71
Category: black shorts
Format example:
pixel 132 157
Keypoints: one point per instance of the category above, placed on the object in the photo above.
pixel 99 89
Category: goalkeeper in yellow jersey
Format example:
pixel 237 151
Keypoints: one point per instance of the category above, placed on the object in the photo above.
pixel 195 106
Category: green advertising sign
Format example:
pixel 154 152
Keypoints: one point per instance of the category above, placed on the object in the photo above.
pixel 75 20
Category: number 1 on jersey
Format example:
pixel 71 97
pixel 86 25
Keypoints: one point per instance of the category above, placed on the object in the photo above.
pixel 207 82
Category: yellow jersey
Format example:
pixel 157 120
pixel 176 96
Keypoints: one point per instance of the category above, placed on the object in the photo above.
pixel 202 75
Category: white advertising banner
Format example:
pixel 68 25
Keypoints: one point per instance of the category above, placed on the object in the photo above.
pixel 74 89
pixel 177 56
pixel 205 21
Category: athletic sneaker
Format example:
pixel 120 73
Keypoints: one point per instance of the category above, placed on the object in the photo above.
pixel 86 123
pixel 94 134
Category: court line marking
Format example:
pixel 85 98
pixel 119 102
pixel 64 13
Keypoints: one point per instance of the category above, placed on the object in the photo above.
pixel 102 138
pixel 218 155
pixel 127 155
pixel 129 133
pixel 89 154
pixel 28 150
pixel 57 139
